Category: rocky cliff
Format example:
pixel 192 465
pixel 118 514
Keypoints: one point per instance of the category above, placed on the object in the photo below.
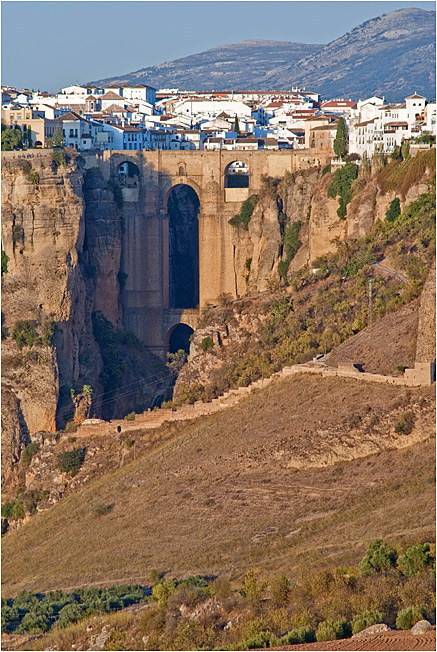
pixel 62 234
pixel 293 223
pixel 302 199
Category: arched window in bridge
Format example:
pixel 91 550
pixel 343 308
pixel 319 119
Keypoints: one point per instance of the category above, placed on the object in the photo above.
pixel 237 175
pixel 128 174
pixel 181 171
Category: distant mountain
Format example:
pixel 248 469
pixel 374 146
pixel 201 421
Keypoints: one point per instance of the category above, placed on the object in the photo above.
pixel 230 67
pixel 392 55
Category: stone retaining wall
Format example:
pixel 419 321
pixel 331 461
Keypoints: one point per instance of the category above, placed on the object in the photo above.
pixel 421 375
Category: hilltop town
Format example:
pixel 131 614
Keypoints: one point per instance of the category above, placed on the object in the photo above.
pixel 139 117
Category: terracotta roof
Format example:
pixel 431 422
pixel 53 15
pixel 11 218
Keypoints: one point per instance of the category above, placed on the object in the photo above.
pixel 363 124
pixel 127 128
pixel 112 108
pixel 339 103
pixel 86 136
pixel 111 96
pixel 330 127
pixel 415 97
pixel 90 97
pixel 396 124
pixel 70 116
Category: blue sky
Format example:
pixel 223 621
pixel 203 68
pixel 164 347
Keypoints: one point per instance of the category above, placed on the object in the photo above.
pixel 47 45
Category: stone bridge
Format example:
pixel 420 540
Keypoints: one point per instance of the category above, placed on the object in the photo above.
pixel 177 242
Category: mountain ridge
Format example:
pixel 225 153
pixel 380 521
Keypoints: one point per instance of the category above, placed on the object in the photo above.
pixel 388 54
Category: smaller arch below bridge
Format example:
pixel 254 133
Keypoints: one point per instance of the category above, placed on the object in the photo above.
pixel 173 318
pixel 178 337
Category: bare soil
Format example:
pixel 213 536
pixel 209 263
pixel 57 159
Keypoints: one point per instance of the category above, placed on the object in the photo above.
pixel 395 640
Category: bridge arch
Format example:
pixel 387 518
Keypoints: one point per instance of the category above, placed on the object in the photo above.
pixel 237 175
pixel 182 256
pixel 178 337
pixel 128 174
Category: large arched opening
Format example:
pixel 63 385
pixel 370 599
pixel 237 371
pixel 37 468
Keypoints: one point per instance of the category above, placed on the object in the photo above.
pixel 178 338
pixel 183 207
pixel 237 175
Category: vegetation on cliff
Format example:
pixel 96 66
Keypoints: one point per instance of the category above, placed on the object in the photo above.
pixel 243 217
pixel 324 307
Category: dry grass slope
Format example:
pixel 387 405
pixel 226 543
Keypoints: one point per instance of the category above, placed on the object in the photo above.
pixel 222 495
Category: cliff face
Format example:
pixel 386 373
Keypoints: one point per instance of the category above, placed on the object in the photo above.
pixel 62 233
pixel 302 197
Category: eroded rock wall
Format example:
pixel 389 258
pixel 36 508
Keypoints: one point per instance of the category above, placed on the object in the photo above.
pixel 303 197
pixel 62 233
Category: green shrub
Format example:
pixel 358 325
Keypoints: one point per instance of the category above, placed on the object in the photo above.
pixel 301 635
pixel 252 588
pixel 190 393
pixel 244 216
pixel 378 558
pixel 410 616
pixel 58 158
pixel 366 619
pixel 326 170
pixel 175 361
pixel 406 424
pixel 415 559
pixel 34 178
pixel 48 330
pixel 14 511
pixel 341 187
pixel 5 260
pixel 130 416
pixel 24 333
pixel 162 591
pixel 30 450
pixel 71 461
pixel 33 623
pixel 207 343
pixel 292 244
pixel 280 591
pixel 394 210
pixel 71 613
pixel 330 630
pixel 71 426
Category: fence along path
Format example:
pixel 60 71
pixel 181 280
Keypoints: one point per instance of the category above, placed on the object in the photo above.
pixel 155 418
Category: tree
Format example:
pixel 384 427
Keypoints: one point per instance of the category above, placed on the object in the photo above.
pixel 394 210
pixel 236 125
pixel 29 137
pixel 340 142
pixel 280 591
pixel 252 589
pixel 378 558
pixel 11 139
pixel 58 139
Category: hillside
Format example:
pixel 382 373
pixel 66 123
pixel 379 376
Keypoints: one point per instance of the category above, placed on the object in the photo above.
pixel 256 484
pixel 392 55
